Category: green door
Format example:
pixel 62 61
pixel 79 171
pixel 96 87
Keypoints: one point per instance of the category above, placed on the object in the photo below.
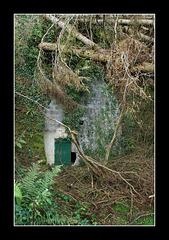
pixel 62 152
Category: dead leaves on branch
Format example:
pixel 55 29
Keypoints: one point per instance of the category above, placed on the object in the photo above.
pixel 64 76
pixel 129 58
pixel 124 62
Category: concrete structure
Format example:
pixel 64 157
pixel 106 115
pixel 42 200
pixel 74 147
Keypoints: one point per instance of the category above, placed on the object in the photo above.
pixel 101 112
pixel 53 130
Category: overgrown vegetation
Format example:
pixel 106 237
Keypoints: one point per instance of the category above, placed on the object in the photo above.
pixel 122 56
pixel 37 203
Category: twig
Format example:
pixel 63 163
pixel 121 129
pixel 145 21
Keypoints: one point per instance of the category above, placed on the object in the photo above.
pixel 31 100
pixel 67 194
pixel 92 179
pixel 119 173
pixel 38 104
pixel 72 133
pixel 115 29
pixel 143 215
pixel 73 176
pixel 115 134
pixel 74 137
pixel 107 216
pixel 131 208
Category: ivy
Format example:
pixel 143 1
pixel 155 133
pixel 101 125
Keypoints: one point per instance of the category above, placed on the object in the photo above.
pixel 37 203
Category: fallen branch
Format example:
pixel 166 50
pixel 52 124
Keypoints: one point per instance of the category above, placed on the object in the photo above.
pixel 95 52
pixel 113 171
pixel 139 21
pixel 147 22
pixel 75 140
pixel 100 54
pixel 122 111
pixel 146 67
pixel 73 31
pixel 115 134
pixel 72 133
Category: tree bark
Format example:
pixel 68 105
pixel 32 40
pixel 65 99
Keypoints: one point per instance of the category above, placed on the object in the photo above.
pixel 146 67
pixel 123 21
pixel 96 53
pixel 71 29
pixel 139 21
pixel 102 55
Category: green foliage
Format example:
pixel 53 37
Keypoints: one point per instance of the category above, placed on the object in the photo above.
pixel 17 193
pixel 29 30
pixel 34 189
pixel 145 220
pixel 72 119
pixel 122 212
pixel 28 120
pixel 37 203
pixel 33 184
pixel 19 141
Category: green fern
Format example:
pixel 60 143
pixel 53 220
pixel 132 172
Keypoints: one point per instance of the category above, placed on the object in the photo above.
pixel 29 182
pixel 17 193
pixel 36 183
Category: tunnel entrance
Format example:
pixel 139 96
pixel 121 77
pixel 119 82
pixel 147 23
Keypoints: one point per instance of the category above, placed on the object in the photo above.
pixel 73 157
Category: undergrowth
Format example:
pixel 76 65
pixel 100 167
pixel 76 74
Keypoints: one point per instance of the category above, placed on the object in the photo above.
pixel 37 203
pixel 67 197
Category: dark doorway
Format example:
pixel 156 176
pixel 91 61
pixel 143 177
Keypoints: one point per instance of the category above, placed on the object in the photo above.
pixel 73 157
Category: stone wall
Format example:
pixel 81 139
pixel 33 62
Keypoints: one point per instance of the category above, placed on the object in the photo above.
pixel 100 114
pixel 53 130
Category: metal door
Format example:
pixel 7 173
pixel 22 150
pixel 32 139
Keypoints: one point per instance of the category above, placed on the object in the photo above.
pixel 62 152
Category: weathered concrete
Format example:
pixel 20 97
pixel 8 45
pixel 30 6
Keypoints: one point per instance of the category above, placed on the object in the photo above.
pixel 101 112
pixel 53 130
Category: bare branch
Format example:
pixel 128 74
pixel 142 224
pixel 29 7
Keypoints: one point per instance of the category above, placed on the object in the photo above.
pixel 75 140
pixel 78 35
pixel 40 105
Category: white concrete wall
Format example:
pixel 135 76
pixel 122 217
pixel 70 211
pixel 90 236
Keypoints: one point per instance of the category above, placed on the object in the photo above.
pixel 53 130
pixel 101 110
pixel 49 141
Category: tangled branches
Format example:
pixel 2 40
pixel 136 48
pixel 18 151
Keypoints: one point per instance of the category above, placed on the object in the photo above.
pixel 103 193
pixel 91 163
pixel 54 80
pixel 129 57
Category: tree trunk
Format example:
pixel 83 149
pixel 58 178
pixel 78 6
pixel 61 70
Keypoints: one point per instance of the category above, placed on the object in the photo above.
pixel 71 29
pixel 139 21
pixel 115 133
pixel 123 21
pixel 102 55
pixel 146 67
pixel 97 53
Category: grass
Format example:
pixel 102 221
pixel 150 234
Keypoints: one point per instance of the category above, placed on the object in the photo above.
pixel 145 220
pixel 122 214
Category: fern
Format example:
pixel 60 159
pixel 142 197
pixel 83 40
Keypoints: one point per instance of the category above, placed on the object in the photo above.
pixel 17 193
pixel 28 182
pixel 35 184
pixel 57 219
